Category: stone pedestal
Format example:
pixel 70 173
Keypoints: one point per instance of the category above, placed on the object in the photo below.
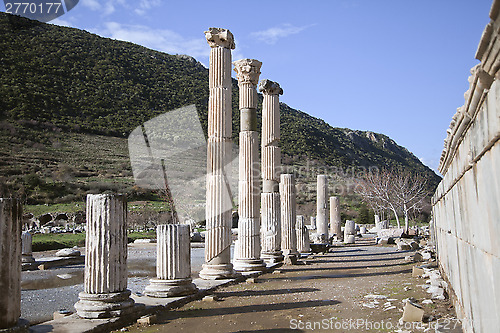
pixel 27 248
pixel 173 262
pixel 288 218
pixel 322 209
pixel 271 161
pixel 335 221
pixel 10 263
pixel 218 199
pixel 105 285
pixel 302 235
pixel 247 249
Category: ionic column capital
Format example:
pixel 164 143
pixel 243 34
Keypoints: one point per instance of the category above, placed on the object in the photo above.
pixel 268 87
pixel 218 37
pixel 247 71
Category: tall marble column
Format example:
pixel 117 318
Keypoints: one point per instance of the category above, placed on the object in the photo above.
pixel 271 162
pixel 335 221
pixel 322 209
pixel 105 285
pixel 247 249
pixel 288 218
pixel 27 248
pixel 173 262
pixel 10 263
pixel 303 245
pixel 219 198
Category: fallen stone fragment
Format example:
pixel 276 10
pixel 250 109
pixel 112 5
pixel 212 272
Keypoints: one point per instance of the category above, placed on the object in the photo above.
pixel 389 308
pixel 417 272
pixel 147 320
pixel 211 298
pixel 374 296
pixel 69 252
pixel 427 301
pixel 412 312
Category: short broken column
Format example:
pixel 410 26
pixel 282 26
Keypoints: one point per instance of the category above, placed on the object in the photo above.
pixel 271 161
pixel 105 285
pixel 288 218
pixel 335 221
pixel 322 209
pixel 27 248
pixel 313 222
pixel 302 235
pixel 10 263
pixel 173 262
pixel 247 248
pixel 219 203
pixel 349 232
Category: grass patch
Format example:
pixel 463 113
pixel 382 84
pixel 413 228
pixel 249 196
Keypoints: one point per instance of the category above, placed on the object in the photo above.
pixel 38 210
pixel 140 235
pixel 45 242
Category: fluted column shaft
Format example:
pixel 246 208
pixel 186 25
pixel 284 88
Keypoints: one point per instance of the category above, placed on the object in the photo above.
pixel 10 262
pixel 271 162
pixel 218 197
pixel 302 235
pixel 27 247
pixel 173 262
pixel 335 221
pixel 288 217
pixel 322 208
pixel 105 258
pixel 247 251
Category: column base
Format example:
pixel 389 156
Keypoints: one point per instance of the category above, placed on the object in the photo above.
pixel 349 239
pixel 22 326
pixel 249 265
pixel 95 306
pixel 170 288
pixel 27 259
pixel 272 257
pixel 217 271
pixel 290 258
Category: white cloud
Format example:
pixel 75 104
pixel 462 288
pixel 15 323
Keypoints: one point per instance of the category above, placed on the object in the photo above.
pixel 271 35
pixel 158 39
pixel 92 4
pixel 63 23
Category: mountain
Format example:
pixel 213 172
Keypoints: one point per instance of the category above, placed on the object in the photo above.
pixel 62 88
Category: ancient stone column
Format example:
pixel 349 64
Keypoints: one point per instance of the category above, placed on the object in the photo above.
pixel 219 199
pixel 322 209
pixel 271 162
pixel 335 221
pixel 302 235
pixel 173 262
pixel 313 222
pixel 10 266
pixel 349 232
pixel 288 218
pixel 27 248
pixel 105 285
pixel 247 249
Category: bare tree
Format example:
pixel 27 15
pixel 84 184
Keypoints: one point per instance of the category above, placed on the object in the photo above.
pixel 410 192
pixel 395 190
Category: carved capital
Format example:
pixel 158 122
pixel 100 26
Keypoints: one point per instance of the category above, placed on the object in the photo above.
pixel 220 37
pixel 247 70
pixel 270 87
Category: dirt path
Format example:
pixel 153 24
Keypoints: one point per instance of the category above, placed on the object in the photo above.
pixel 326 294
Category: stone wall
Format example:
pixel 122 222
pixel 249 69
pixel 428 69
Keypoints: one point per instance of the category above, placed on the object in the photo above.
pixel 466 205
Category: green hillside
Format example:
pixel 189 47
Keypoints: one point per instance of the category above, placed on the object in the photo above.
pixel 69 99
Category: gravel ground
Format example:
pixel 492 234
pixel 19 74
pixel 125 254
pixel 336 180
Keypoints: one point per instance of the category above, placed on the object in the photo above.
pixel 334 292
pixel 44 292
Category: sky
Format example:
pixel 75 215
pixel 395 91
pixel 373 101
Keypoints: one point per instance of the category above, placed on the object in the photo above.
pixel 397 67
